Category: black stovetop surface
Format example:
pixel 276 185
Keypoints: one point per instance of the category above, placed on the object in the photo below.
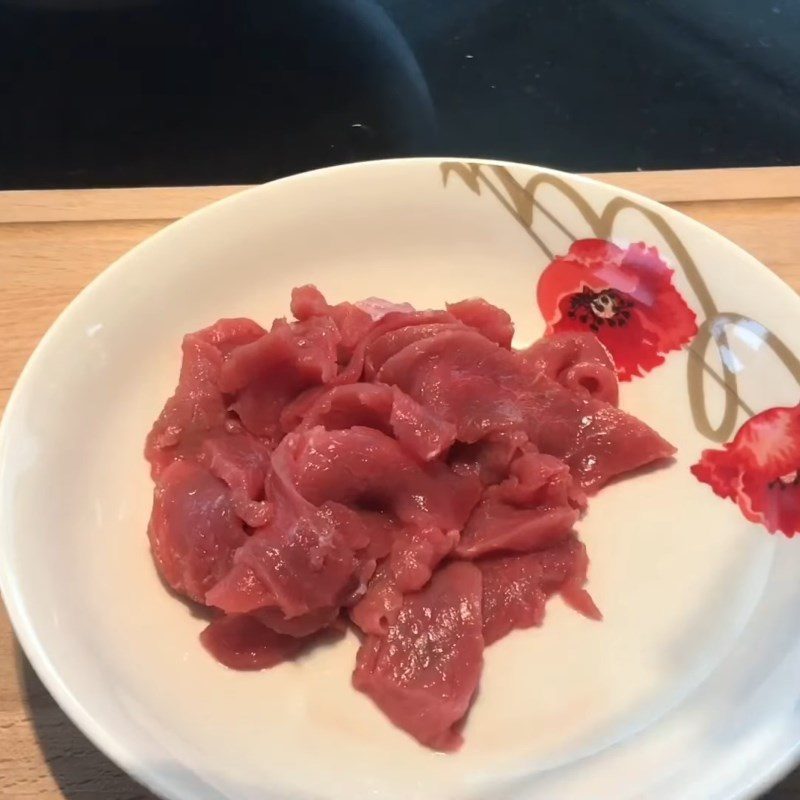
pixel 165 92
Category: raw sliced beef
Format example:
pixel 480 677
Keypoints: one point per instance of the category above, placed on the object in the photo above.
pixel 414 555
pixel 489 458
pixel 381 348
pixel 465 378
pixel 483 388
pixel 226 335
pixel 298 562
pixel 384 408
pixel 531 510
pixel 579 362
pixel 301 561
pixel 365 468
pixel 268 373
pixel 391 322
pixel 240 641
pixel 424 671
pixel 493 322
pixel 405 472
pixel 351 321
pixel 242 462
pixel 194 531
pixel 598 441
pixel 196 408
pixel 516 587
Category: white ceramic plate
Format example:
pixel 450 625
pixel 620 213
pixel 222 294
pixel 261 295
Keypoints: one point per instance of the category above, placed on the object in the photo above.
pixel 690 688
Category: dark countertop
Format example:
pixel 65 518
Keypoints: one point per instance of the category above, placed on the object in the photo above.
pixel 179 92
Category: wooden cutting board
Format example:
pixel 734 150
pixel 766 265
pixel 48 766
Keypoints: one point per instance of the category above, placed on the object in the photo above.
pixel 52 243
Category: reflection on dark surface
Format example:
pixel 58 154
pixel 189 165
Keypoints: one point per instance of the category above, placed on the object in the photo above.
pixel 142 92
pixel 205 92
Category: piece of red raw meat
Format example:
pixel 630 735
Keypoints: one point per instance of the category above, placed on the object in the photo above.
pixel 242 462
pixel 393 321
pixel 405 470
pixel 464 377
pixel 268 373
pixel 240 641
pixel 414 555
pixel 381 348
pixel 489 458
pixel 197 406
pixel 301 561
pixel 579 362
pixel 531 510
pixel 194 530
pixel 384 408
pixel 598 441
pixel 423 673
pixel 516 587
pixel 226 335
pixel 365 468
pixel 483 388
pixel 493 322
pixel 351 321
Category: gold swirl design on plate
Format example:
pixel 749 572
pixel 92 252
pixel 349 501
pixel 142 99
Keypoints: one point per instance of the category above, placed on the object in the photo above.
pixel 521 202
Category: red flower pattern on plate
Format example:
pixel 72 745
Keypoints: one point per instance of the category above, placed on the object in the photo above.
pixel 624 296
pixel 760 469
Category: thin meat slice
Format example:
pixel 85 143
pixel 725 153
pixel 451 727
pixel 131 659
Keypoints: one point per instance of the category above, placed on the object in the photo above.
pixel 298 627
pixel 239 459
pixel 531 510
pixel 354 404
pixel 419 430
pixel 295 411
pixel 489 458
pixel 516 588
pixel 414 555
pixel 381 348
pixel 194 530
pixel 483 388
pixel 384 408
pixel 242 462
pixel 364 468
pixel 463 377
pixel 351 321
pixel 493 322
pixel 598 441
pixel 308 347
pixel 267 374
pixel 196 408
pixel 241 642
pixel 391 322
pixel 579 362
pixel 226 335
pixel 424 671
pixel 298 562
pixel 302 561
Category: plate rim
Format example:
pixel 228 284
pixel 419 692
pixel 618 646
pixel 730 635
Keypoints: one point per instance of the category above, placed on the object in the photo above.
pixel 157 780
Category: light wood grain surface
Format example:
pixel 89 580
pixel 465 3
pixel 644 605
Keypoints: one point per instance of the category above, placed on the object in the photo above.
pixel 53 243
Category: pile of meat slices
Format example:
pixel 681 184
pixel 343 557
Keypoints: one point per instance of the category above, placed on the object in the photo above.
pixel 406 472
